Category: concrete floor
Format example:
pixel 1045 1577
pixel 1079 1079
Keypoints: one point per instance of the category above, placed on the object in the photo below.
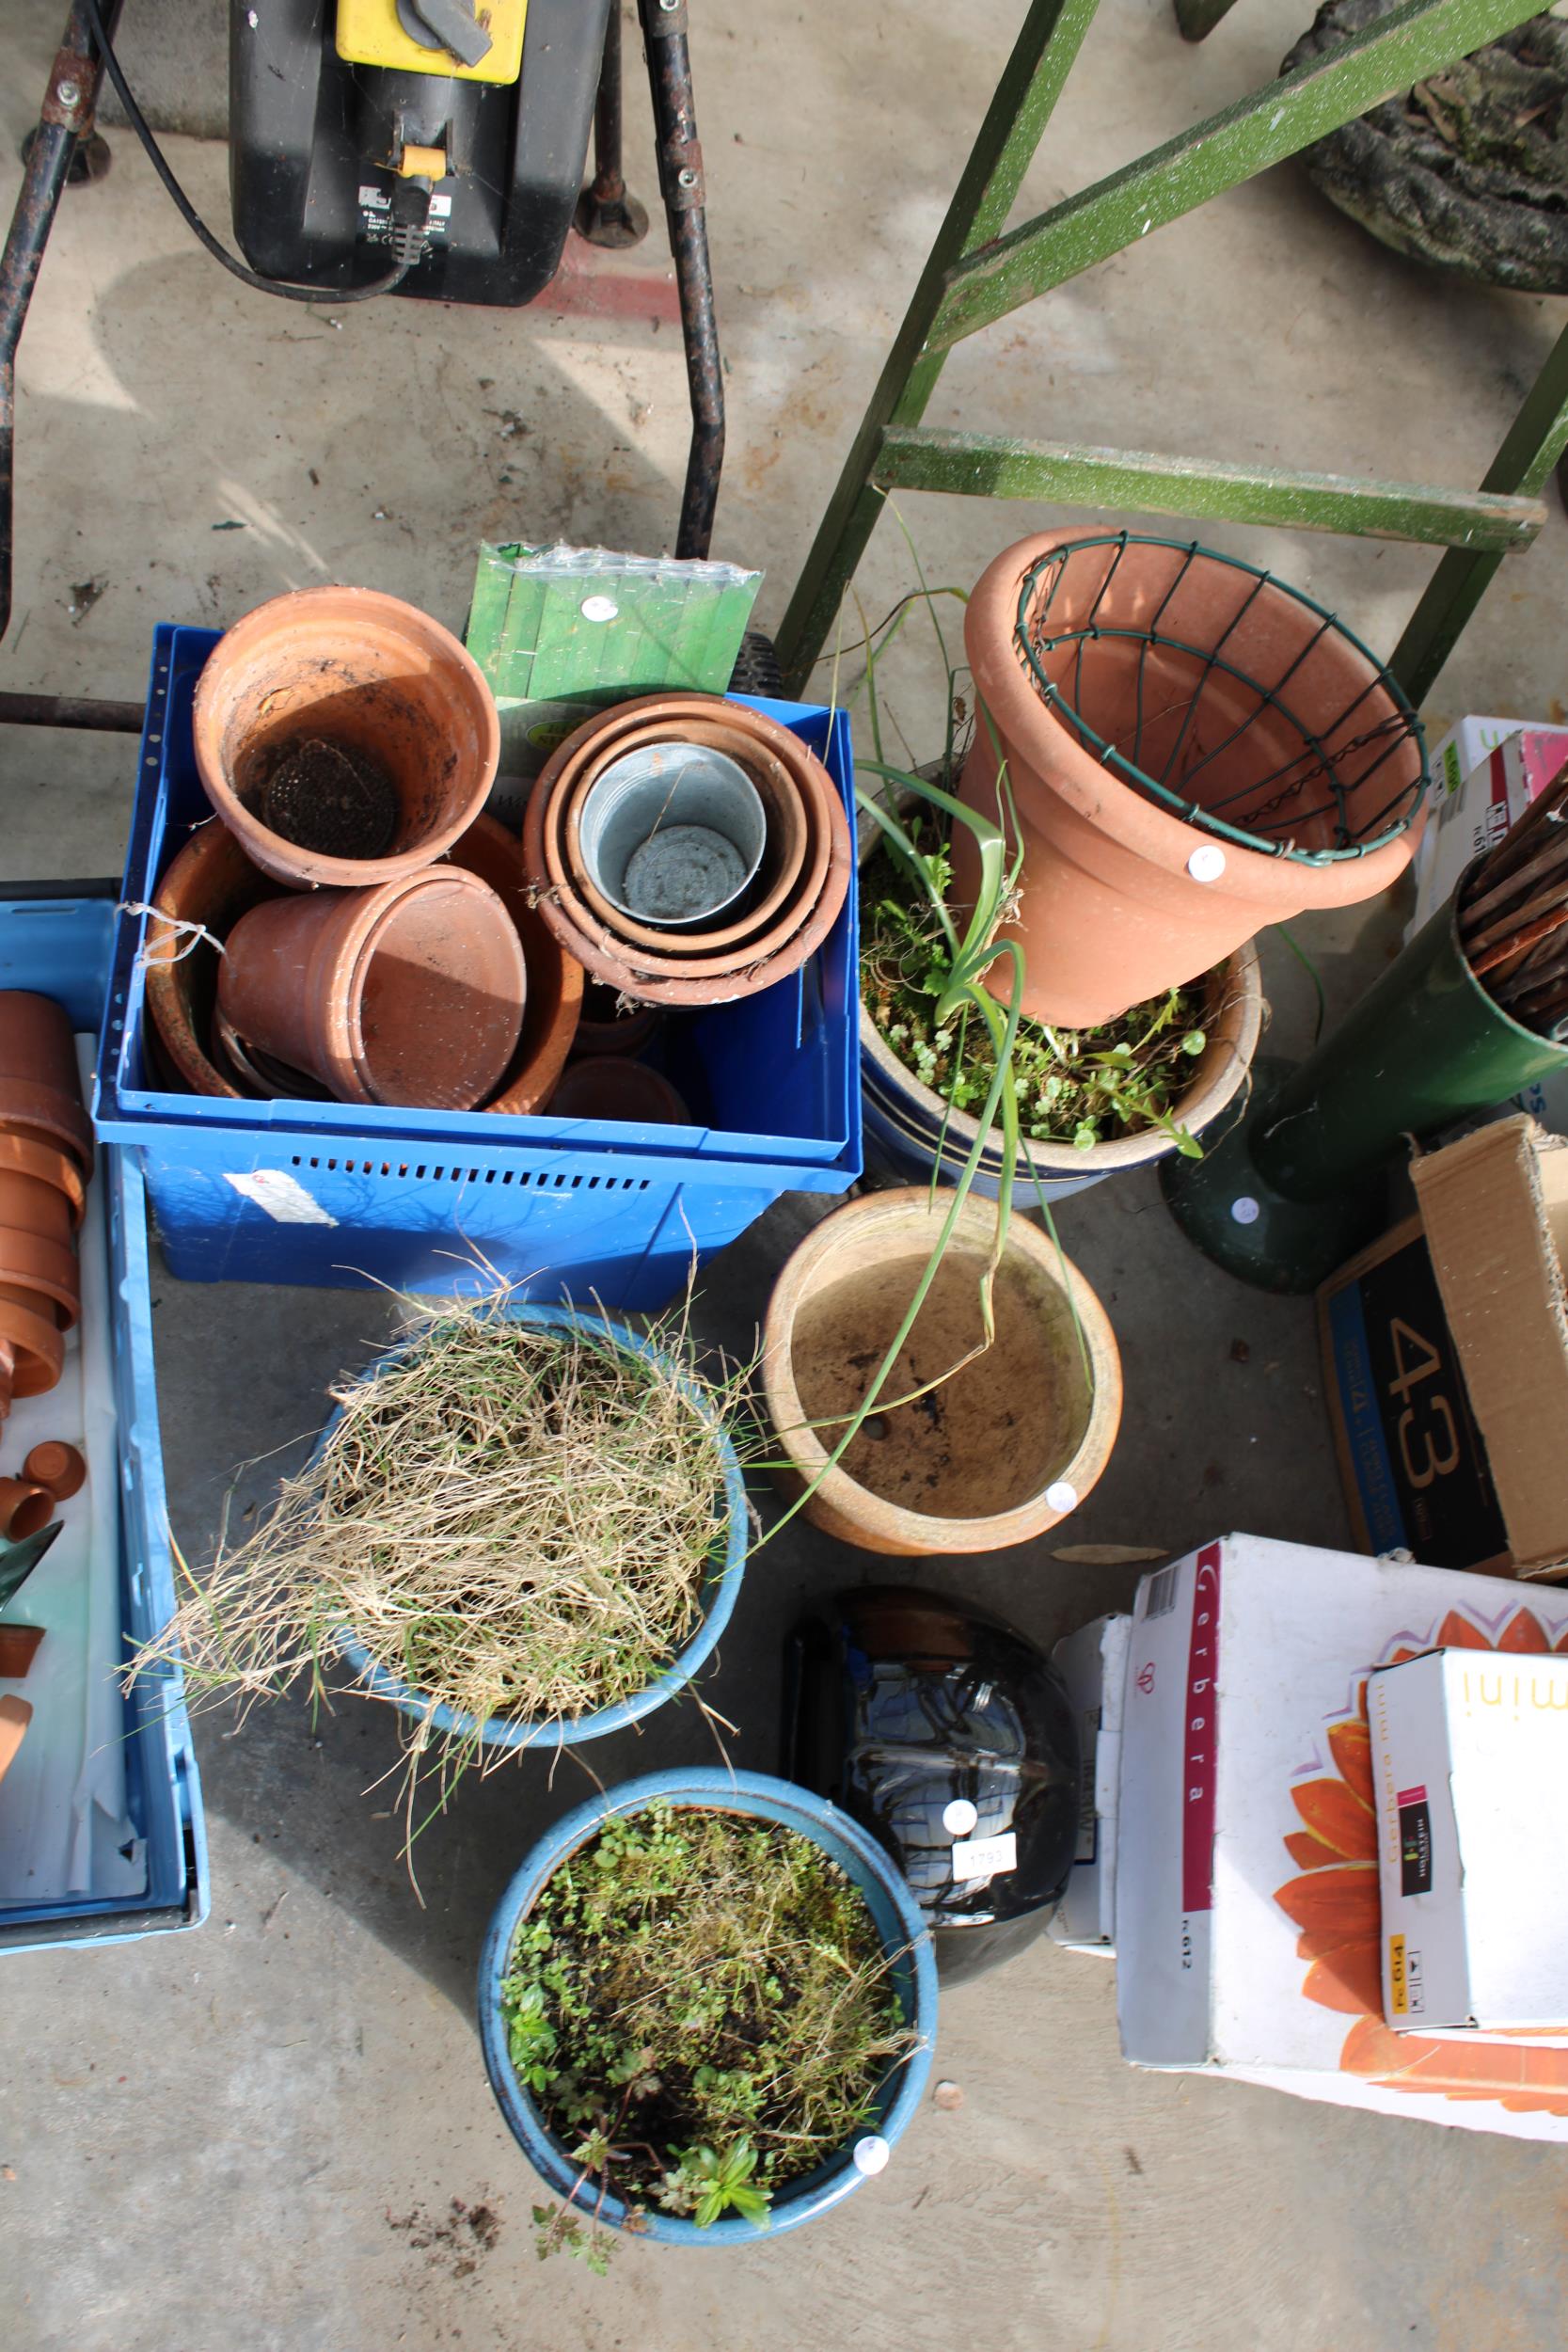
pixel 262 2136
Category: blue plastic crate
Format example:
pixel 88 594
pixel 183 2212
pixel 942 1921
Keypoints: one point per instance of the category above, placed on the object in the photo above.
pixel 335 1193
pixel 61 948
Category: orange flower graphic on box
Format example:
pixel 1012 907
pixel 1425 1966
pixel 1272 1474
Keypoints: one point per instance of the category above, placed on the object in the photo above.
pixel 1333 1901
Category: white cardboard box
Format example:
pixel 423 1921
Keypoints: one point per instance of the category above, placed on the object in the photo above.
pixel 1246 1892
pixel 1092 1663
pixel 1471 1758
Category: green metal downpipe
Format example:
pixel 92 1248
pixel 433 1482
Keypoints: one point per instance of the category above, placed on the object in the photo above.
pixel 1294 1188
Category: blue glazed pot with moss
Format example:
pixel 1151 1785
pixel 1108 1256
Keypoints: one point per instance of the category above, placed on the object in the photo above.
pixel 906 1943
pixel 719 1590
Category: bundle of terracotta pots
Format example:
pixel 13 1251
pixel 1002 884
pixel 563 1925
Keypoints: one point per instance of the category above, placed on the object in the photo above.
pixel 354 927
pixel 688 851
pixel 45 1164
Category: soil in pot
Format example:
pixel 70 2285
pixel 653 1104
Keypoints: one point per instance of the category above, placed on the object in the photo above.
pixel 983 1441
pixel 1077 1086
pixel 701 2006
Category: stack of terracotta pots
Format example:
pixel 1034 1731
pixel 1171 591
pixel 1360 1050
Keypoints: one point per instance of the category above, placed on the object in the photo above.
pixel 353 927
pixel 45 1162
pixel 784 887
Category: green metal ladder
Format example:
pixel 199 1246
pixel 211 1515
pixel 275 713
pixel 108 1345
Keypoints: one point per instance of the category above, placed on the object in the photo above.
pixel 975 275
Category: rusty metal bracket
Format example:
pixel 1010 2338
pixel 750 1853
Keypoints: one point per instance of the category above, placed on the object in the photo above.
pixel 72 93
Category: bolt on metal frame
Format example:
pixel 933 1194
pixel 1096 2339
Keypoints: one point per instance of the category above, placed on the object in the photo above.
pixel 975 275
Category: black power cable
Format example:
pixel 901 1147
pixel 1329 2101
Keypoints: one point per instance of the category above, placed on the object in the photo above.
pixel 410 237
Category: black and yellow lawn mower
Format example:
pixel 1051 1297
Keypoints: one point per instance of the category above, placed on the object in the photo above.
pixel 432 148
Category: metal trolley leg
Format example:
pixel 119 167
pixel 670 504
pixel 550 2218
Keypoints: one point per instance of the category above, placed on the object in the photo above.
pixel 680 179
pixel 66 114
pixel 605 214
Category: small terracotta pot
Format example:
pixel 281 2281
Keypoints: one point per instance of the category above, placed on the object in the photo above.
pixel 412 992
pixel 353 668
pixel 31 1347
pixel 15 1716
pixel 40 1093
pixel 605 1086
pixel 603 1030
pixel 555 979
pixel 1112 909
pixel 692 975
pixel 997 1453
pixel 19 1646
pixel 24 1509
pixel 30 1205
pixel 58 1466
pixel 27 1156
pixel 47 1268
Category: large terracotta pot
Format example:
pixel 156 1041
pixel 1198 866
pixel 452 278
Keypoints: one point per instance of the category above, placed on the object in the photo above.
pixel 604 1085
pixel 1121 898
pixel 213 883
pixel 999 1452
pixel 366 673
pixel 32 1346
pixel 411 992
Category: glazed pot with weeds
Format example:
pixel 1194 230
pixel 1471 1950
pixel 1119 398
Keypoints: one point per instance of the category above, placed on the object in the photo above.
pixel 708 2003
pixel 525 1526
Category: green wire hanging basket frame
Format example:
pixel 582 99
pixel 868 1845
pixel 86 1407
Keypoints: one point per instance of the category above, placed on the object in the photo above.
pixel 1313 772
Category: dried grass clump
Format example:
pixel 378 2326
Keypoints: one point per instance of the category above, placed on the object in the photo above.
pixel 513 1521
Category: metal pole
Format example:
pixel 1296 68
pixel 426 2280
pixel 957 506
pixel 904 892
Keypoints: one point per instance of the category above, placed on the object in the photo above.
pixel 681 183
pixel 66 115
pixel 605 215
pixel 71 710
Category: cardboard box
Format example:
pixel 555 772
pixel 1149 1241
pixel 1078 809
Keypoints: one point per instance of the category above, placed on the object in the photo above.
pixel 1246 1892
pixel 1462 823
pixel 1471 1758
pixel 1092 1663
pixel 1446 1353
pixel 1378 1317
pixel 1494 1210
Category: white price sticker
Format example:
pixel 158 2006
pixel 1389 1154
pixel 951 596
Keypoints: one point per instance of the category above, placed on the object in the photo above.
pixel 982 1857
pixel 283 1197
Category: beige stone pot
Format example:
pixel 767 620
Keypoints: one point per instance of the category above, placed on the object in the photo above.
pixel 991 1456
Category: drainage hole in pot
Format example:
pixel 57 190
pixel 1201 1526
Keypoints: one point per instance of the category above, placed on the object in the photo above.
pixel 330 798
pixel 987 1439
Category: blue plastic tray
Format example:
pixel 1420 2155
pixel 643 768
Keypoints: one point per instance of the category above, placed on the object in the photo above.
pixel 61 947
pixel 332 1193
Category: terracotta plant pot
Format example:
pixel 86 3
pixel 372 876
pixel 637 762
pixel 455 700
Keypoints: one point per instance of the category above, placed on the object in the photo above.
pixel 32 1346
pixel 910 1130
pixel 602 1029
pixel 30 1204
pixel 378 683
pixel 28 1157
pixel 1122 898
pixel 24 1509
pixel 739 958
pixel 412 992
pixel 605 1086
pixel 15 1716
pixel 19 1646
pixel 213 883
pixel 555 979
pixel 40 1093
pixel 58 1466
pixel 998 1453
pixel 47 1269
